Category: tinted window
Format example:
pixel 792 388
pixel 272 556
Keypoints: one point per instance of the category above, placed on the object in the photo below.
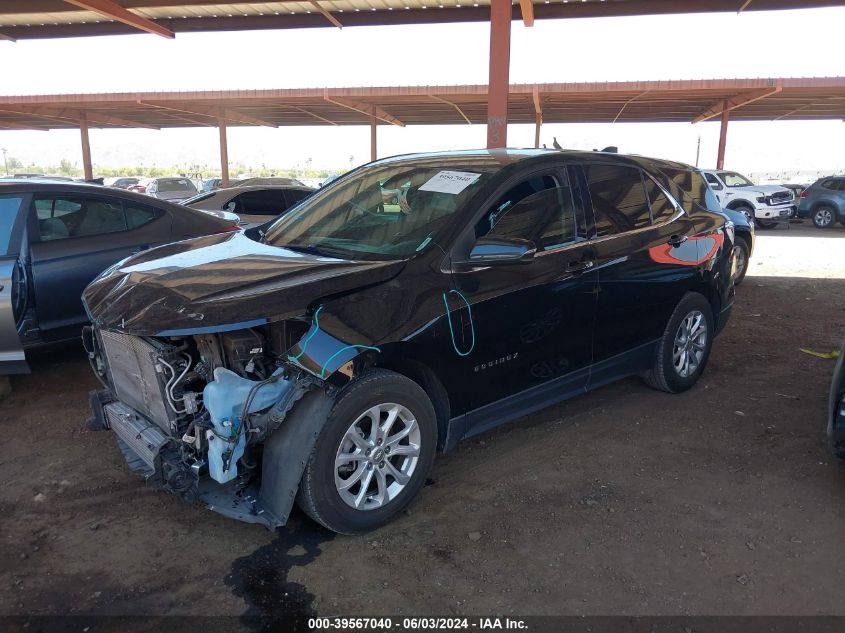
pixel 139 215
pixel 64 217
pixel 690 190
pixel 830 183
pixel 619 198
pixel 295 196
pixel 268 202
pixel 712 179
pixel 9 206
pixel 525 189
pixel 545 217
pixel 661 207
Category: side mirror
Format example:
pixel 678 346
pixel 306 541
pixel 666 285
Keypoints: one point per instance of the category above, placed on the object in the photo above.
pixel 715 186
pixel 501 251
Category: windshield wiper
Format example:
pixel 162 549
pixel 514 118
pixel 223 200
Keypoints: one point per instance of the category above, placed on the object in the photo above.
pixel 313 249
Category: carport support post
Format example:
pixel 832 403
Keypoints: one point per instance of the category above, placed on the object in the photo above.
pixel 224 154
pixel 538 121
pixel 373 145
pixel 86 149
pixel 723 136
pixel 500 58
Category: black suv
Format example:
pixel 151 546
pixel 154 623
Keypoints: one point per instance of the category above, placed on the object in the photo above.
pixel 415 301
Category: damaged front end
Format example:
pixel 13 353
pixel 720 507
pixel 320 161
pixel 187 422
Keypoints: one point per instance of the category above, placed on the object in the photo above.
pixel 226 418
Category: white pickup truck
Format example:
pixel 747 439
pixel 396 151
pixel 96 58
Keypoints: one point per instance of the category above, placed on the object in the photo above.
pixel 763 204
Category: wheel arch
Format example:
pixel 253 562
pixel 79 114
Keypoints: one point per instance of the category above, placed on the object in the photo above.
pixel 415 364
pixel 824 202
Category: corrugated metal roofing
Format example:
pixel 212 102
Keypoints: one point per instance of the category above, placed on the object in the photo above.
pixel 645 101
pixel 30 19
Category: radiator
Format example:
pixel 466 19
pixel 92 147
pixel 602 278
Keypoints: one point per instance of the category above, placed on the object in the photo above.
pixel 132 369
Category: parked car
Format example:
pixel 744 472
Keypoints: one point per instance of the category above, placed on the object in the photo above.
pixel 764 204
pixel 420 300
pixel 252 204
pixel 56 237
pixel 270 180
pixel 173 189
pixel 836 409
pixel 123 182
pixel 824 202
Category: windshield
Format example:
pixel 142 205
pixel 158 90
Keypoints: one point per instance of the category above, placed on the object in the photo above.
pixel 383 212
pixel 733 179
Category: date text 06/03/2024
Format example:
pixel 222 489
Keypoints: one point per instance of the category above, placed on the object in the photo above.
pixel 413 624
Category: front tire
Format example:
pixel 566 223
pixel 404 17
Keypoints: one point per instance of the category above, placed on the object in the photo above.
pixel 747 211
pixel 373 455
pixel 684 348
pixel 824 216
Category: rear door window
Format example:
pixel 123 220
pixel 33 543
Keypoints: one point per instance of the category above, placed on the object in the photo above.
pixel 63 217
pixel 138 215
pixel 269 202
pixel 662 209
pixel 619 198
pixel 294 197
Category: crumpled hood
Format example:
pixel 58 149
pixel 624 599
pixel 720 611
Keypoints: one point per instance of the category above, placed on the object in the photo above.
pixel 767 190
pixel 220 282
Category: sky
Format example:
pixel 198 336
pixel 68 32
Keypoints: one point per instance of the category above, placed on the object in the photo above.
pixel 696 46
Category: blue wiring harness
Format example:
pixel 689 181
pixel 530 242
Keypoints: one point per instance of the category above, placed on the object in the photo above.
pixel 451 329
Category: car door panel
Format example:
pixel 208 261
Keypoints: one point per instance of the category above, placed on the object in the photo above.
pixel 642 274
pixel 531 323
pixel 12 284
pixel 62 268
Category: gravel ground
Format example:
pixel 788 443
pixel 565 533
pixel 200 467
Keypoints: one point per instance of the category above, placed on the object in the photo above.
pixel 720 501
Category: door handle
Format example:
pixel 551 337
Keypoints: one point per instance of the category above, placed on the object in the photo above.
pixel 677 240
pixel 580 266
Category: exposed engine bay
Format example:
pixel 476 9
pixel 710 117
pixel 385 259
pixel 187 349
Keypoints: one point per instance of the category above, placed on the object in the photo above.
pixel 192 413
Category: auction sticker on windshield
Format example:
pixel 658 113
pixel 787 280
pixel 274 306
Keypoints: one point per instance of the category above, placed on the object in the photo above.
pixel 453 182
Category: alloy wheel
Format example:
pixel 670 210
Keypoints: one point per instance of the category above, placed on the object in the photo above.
pixel 690 344
pixel 741 261
pixel 377 456
pixel 823 217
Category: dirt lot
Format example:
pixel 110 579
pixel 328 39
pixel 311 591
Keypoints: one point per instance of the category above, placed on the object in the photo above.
pixel 722 500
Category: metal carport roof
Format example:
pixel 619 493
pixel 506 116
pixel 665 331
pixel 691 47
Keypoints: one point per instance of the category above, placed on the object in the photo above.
pixel 33 19
pixel 640 101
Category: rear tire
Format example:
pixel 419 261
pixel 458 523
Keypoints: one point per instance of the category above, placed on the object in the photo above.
pixel 359 477
pixel 741 256
pixel 684 348
pixel 824 216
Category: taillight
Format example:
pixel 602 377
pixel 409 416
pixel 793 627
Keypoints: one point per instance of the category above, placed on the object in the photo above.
pixel 804 194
